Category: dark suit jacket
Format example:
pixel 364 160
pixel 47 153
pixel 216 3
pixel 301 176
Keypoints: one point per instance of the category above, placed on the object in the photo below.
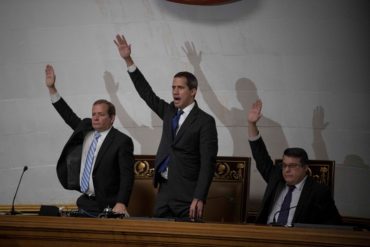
pixel 113 174
pixel 315 205
pixel 192 152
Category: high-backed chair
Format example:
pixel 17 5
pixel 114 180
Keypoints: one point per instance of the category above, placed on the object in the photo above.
pixel 321 170
pixel 227 197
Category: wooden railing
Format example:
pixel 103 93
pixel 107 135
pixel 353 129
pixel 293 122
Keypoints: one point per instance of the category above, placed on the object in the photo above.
pixel 41 231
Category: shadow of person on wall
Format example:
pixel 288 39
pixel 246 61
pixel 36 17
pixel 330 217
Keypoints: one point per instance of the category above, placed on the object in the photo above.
pixel 354 160
pixel 235 119
pixel 352 183
pixel 351 176
pixel 144 135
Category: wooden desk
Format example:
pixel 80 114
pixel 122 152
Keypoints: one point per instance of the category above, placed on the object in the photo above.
pixel 68 231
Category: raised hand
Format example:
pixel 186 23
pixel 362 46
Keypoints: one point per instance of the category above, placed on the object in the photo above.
pixel 255 112
pixel 124 49
pixel 49 76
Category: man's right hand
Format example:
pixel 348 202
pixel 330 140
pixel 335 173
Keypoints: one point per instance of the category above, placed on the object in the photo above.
pixel 124 49
pixel 253 116
pixel 50 78
pixel 255 112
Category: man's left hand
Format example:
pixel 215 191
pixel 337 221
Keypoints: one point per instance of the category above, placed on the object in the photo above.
pixel 196 209
pixel 120 208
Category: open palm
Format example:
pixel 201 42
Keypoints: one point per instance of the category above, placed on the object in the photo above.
pixel 255 112
pixel 124 49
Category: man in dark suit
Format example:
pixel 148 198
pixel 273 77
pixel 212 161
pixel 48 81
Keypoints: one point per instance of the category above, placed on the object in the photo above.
pixel 309 202
pixel 186 157
pixel 97 159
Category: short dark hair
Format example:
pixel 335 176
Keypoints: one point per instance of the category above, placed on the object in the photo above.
pixel 191 80
pixel 111 107
pixel 297 153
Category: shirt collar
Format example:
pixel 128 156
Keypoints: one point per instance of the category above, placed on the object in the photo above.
pixel 105 132
pixel 188 108
pixel 299 186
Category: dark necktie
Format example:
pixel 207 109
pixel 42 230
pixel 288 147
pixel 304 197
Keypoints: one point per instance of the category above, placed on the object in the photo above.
pixel 175 122
pixel 175 125
pixel 285 207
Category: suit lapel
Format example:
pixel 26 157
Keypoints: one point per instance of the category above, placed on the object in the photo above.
pixel 274 194
pixel 303 198
pixel 187 123
pixel 106 143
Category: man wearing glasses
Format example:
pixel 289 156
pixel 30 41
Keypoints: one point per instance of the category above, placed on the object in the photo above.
pixel 291 196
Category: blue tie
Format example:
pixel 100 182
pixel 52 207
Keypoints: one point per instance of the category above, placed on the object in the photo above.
pixel 175 125
pixel 285 207
pixel 88 163
pixel 175 122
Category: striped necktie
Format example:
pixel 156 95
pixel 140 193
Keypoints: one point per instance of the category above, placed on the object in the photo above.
pixel 88 163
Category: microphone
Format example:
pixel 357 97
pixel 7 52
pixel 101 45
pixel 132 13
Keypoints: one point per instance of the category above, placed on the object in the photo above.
pixel 12 211
pixel 274 223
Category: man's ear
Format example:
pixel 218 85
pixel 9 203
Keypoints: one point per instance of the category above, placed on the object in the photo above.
pixel 112 120
pixel 193 92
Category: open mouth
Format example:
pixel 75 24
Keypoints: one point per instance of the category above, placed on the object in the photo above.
pixel 176 99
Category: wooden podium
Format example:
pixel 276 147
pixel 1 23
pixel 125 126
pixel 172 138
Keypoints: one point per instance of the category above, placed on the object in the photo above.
pixel 30 231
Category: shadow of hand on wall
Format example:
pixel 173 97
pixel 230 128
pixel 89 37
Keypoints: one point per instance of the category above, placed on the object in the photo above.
pixel 146 136
pixel 318 126
pixel 235 119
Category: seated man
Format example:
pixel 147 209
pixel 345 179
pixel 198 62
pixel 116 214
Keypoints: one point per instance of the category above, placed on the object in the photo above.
pixel 291 196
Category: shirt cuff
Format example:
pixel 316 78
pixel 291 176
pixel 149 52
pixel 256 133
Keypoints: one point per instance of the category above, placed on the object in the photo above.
pixel 55 97
pixel 131 68
pixel 254 138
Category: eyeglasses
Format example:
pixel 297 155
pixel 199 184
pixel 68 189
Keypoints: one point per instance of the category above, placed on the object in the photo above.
pixel 290 166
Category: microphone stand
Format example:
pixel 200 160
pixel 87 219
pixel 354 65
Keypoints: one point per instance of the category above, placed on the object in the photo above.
pixel 274 223
pixel 12 211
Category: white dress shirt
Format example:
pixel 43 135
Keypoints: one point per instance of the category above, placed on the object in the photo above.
pixel 85 148
pixel 295 198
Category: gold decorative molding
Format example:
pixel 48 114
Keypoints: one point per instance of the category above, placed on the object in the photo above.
pixel 323 176
pixel 321 171
pixel 230 170
pixel 142 169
